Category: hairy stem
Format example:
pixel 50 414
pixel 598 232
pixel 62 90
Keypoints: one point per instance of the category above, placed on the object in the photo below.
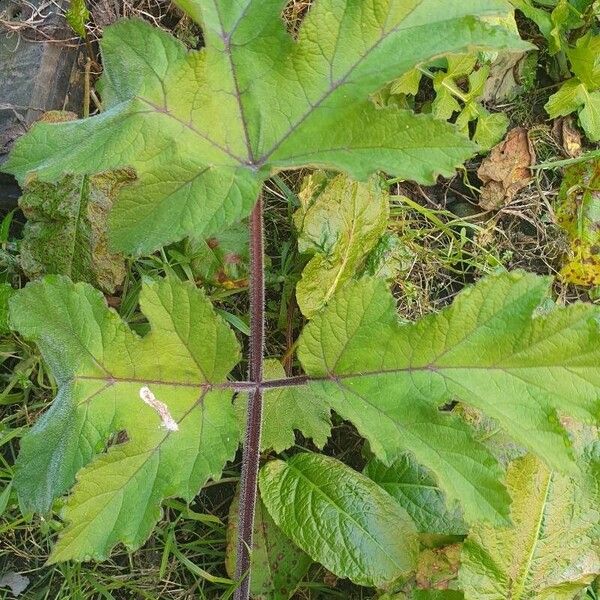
pixel 251 453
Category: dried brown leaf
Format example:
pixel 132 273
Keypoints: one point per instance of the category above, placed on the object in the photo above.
pixel 568 136
pixel 506 170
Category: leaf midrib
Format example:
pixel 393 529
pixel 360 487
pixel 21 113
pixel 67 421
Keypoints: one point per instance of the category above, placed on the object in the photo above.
pixel 525 570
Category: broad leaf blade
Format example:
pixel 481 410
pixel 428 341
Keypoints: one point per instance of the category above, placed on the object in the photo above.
pixel 340 518
pixel 137 453
pixel 487 350
pixel 278 565
pixel 204 129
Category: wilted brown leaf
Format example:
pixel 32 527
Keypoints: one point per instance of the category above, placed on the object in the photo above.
pixel 506 170
pixel 507 76
pixel 568 136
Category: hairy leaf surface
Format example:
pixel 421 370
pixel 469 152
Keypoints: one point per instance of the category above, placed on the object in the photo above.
pixel 489 350
pixel 203 129
pixel 340 518
pixel 128 454
pixel 552 550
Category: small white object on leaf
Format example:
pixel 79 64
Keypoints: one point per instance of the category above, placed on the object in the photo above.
pixel 163 412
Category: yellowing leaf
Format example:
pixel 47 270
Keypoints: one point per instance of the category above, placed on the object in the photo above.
pixel 578 213
pixel 341 224
pixel 552 550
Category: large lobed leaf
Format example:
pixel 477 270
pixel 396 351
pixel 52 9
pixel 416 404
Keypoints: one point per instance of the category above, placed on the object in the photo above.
pixel 493 349
pixel 203 129
pixel 128 455
pixel 490 350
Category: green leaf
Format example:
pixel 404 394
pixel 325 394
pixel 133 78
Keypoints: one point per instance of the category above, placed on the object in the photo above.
pixel 278 565
pixel 490 129
pixel 66 229
pixel 581 93
pixel 425 595
pixel 417 492
pixel 451 98
pixel 539 16
pixel 77 16
pixel 567 100
pixel 340 224
pixel 589 116
pixel 552 549
pixel 128 453
pixel 5 497
pixel 204 129
pixel 437 595
pixel 408 83
pixel 585 60
pixel 285 410
pixel 340 518
pixel 489 350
